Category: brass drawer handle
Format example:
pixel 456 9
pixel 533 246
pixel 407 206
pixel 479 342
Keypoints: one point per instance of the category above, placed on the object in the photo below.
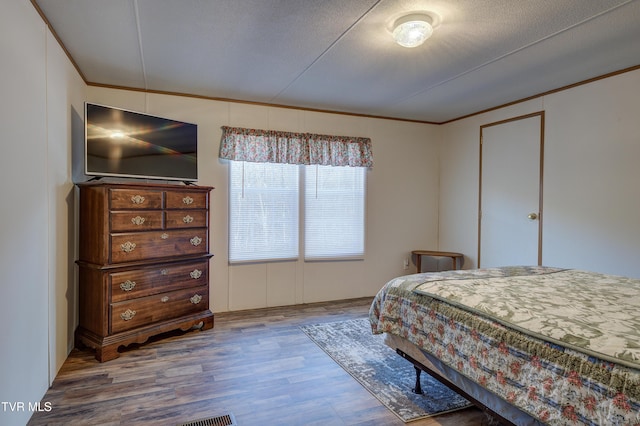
pixel 195 241
pixel 138 220
pixel 165 299
pixel 128 285
pixel 128 315
pixel 187 219
pixel 195 274
pixel 164 236
pixel 137 199
pixel 187 200
pixel 195 299
pixel 128 247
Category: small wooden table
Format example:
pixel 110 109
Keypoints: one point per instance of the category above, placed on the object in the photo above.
pixel 419 253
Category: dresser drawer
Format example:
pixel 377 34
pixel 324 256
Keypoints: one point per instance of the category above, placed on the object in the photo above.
pixel 129 247
pixel 151 309
pixel 157 279
pixel 186 219
pixel 127 199
pixel 136 220
pixel 186 200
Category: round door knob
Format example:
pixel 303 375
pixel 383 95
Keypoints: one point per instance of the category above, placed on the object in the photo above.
pixel 532 216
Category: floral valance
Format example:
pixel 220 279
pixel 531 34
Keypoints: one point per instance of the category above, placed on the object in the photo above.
pixel 272 146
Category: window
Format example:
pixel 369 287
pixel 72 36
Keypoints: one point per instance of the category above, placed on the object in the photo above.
pixel 263 211
pixel 264 205
pixel 334 212
pixel 265 190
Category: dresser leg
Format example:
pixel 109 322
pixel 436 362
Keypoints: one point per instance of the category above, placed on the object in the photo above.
pixel 87 340
pixel 207 323
pixel 107 353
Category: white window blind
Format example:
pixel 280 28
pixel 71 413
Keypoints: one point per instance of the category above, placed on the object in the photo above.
pixel 263 212
pixel 334 212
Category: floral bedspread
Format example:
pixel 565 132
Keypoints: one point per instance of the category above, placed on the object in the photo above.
pixel 580 371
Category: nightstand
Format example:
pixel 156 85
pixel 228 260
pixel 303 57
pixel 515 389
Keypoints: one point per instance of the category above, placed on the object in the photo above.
pixel 454 256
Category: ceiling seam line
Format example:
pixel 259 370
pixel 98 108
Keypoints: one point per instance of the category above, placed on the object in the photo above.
pixel 533 43
pixel 340 37
pixel 144 70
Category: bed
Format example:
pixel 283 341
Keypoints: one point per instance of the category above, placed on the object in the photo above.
pixel 530 344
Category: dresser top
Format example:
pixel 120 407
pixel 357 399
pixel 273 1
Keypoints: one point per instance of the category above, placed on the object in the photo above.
pixel 145 185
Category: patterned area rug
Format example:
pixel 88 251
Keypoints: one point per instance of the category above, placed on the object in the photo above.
pixel 381 371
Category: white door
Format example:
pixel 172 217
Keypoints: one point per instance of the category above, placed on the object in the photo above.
pixel 510 192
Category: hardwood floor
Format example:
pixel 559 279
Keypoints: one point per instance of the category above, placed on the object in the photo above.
pixel 255 364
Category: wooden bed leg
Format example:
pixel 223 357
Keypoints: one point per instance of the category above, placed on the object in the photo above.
pixel 418 388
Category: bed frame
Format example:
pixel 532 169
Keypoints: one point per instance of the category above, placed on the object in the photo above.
pixel 419 367
pixel 497 410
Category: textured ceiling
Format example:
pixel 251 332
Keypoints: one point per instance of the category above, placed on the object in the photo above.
pixel 338 55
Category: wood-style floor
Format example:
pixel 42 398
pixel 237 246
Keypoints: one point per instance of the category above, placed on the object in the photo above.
pixel 255 364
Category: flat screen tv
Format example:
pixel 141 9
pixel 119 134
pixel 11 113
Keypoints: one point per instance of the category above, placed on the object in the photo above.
pixel 122 143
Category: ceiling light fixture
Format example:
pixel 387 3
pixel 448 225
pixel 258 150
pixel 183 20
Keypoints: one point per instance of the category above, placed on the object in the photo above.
pixel 412 30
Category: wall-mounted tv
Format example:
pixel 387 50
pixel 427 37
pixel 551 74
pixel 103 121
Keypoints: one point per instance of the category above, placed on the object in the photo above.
pixel 122 143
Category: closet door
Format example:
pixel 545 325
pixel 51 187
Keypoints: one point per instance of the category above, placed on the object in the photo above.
pixel 510 205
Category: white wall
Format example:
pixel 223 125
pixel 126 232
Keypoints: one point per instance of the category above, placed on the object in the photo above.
pixel 24 224
pixel 402 197
pixel 65 103
pixel 592 193
pixel 591 198
pixel 36 290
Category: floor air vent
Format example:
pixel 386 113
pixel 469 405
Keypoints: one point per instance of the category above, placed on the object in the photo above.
pixel 225 420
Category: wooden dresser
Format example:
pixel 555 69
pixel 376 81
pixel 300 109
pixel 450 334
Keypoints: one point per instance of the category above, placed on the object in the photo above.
pixel 143 263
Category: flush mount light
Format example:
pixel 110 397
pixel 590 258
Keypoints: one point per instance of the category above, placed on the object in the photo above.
pixel 412 30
